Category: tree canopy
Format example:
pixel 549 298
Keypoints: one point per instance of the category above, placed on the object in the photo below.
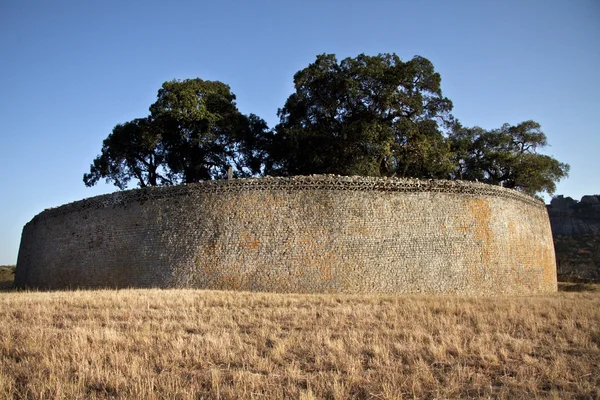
pixel 368 115
pixel 507 157
pixel 194 132
pixel 133 150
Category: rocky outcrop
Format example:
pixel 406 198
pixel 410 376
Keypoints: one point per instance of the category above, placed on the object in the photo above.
pixel 576 231
pixel 569 217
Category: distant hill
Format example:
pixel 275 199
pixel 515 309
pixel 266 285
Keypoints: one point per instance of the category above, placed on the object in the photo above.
pixel 576 229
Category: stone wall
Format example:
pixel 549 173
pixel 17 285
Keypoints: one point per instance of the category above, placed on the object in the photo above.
pixel 316 234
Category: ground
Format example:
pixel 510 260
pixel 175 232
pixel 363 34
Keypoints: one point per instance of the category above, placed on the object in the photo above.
pixel 209 344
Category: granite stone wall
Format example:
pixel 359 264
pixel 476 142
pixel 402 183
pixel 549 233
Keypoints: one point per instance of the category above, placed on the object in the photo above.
pixel 315 234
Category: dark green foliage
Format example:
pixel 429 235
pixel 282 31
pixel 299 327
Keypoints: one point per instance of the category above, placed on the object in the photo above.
pixel 368 115
pixel 507 157
pixel 204 133
pixel 194 132
pixel 375 116
pixel 133 150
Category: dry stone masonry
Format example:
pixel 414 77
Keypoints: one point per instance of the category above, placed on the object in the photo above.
pixel 311 234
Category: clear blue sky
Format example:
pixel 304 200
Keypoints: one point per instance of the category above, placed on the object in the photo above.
pixel 71 70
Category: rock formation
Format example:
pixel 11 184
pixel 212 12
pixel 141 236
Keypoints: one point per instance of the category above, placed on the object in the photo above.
pixel 576 230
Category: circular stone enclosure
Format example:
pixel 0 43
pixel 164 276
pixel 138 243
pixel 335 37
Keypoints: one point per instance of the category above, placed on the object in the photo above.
pixel 312 234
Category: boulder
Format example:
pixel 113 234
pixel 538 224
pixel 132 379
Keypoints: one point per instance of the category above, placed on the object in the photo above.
pixel 561 203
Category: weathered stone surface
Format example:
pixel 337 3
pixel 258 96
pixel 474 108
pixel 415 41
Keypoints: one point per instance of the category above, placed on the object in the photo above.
pixel 576 230
pixel 562 204
pixel 315 234
pixel 569 217
pixel 590 200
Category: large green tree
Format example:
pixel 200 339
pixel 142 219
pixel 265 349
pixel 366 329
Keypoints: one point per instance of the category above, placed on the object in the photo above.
pixel 507 156
pixel 194 132
pixel 369 115
pixel 132 151
pixel 203 131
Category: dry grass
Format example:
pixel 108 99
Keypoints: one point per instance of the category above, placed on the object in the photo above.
pixel 184 344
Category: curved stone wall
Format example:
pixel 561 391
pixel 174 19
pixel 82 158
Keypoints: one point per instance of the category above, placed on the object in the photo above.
pixel 314 234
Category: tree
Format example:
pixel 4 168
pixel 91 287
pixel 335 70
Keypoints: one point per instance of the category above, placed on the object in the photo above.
pixel 132 150
pixel 203 132
pixel 194 132
pixel 366 115
pixel 507 157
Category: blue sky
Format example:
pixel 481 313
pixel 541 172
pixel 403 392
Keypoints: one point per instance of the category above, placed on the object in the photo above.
pixel 71 70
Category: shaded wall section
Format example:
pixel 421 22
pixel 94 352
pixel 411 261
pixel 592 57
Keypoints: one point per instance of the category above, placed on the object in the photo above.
pixel 315 234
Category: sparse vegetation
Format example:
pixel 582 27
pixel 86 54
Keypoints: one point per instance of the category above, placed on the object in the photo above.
pixel 578 257
pixel 7 276
pixel 578 287
pixel 204 344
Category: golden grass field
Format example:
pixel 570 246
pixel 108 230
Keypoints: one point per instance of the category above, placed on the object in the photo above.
pixel 187 344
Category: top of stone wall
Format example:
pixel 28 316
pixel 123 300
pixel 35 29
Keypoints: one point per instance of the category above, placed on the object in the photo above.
pixel 311 182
